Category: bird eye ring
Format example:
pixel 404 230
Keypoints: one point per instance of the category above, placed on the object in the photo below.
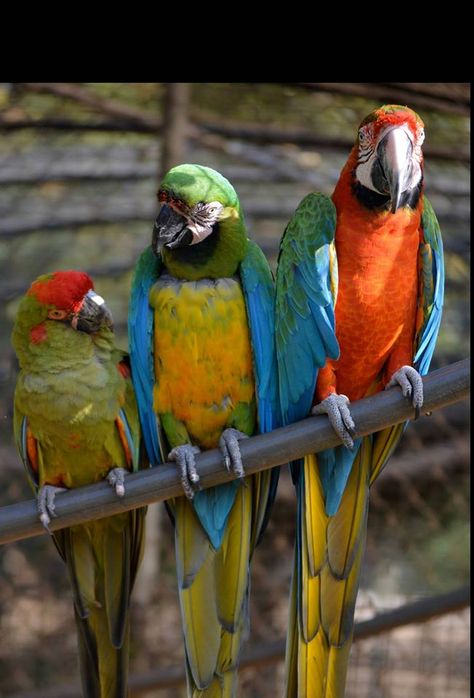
pixel 57 314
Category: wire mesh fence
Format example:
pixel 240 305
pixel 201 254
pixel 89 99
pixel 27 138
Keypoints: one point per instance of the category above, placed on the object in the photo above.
pixel 72 196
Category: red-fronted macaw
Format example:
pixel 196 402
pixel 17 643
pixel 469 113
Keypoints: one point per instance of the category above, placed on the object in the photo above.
pixel 358 306
pixel 76 423
pixel 204 370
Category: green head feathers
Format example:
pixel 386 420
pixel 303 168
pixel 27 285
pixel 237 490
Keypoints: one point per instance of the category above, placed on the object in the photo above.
pixel 199 232
pixel 195 183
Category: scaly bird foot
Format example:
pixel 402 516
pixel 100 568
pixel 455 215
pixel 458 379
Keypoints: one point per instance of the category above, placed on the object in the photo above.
pixel 411 384
pixel 116 479
pixel 229 445
pixel 45 504
pixel 184 457
pixel 335 406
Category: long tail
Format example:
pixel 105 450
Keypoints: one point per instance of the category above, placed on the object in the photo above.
pixel 213 590
pixel 102 558
pixel 328 555
pixel 103 667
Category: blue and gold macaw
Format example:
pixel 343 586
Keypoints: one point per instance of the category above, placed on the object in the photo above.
pixel 203 365
pixel 358 307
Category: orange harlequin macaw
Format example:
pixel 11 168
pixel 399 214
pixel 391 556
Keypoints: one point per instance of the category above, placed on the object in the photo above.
pixel 76 423
pixel 204 369
pixel 360 285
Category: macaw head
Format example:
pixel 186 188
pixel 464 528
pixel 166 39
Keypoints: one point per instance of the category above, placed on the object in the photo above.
pixel 389 159
pixel 63 299
pixel 199 217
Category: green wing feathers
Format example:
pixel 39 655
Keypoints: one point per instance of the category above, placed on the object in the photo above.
pixel 306 289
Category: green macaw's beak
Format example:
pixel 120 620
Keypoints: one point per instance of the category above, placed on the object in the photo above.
pixel 170 230
pixel 394 160
pixel 93 314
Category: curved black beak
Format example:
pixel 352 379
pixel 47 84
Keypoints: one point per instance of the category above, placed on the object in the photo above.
pixel 93 314
pixel 394 153
pixel 170 230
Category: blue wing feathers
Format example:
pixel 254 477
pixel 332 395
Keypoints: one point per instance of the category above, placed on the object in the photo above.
pixel 432 271
pixel 257 285
pixel 141 351
pixel 133 445
pixel 305 329
pixel 305 334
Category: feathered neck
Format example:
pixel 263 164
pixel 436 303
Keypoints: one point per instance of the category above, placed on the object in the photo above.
pixel 218 256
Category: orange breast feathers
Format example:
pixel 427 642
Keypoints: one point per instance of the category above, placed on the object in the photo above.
pixel 202 354
pixel 376 305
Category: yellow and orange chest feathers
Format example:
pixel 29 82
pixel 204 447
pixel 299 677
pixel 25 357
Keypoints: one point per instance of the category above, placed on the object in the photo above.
pixel 202 353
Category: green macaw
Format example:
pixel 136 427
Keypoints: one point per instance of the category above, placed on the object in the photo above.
pixel 76 423
pixel 359 297
pixel 203 366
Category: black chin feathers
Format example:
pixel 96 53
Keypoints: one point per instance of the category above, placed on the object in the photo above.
pixel 200 253
pixel 374 201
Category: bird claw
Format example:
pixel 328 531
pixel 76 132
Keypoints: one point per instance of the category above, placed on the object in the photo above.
pixel 229 445
pixel 409 380
pixel 116 479
pixel 184 457
pixel 336 408
pixel 46 505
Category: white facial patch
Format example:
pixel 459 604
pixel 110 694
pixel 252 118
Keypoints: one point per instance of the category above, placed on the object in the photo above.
pixel 202 218
pixel 200 232
pixel 368 154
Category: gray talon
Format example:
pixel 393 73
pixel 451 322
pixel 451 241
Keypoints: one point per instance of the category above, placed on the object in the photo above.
pixel 116 478
pixel 409 380
pixel 229 445
pixel 184 457
pixel 336 408
pixel 46 505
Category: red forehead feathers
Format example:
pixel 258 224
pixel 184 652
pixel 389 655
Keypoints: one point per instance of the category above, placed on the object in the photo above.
pixel 167 197
pixel 392 115
pixel 399 117
pixel 63 289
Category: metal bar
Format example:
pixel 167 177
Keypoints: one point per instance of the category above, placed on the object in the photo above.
pixel 417 612
pixel 273 652
pixel 441 388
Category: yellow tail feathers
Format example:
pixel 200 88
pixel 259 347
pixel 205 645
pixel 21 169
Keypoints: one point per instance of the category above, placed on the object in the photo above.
pixel 325 581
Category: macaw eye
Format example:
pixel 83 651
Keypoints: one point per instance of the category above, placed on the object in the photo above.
pixel 213 208
pixel 57 314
